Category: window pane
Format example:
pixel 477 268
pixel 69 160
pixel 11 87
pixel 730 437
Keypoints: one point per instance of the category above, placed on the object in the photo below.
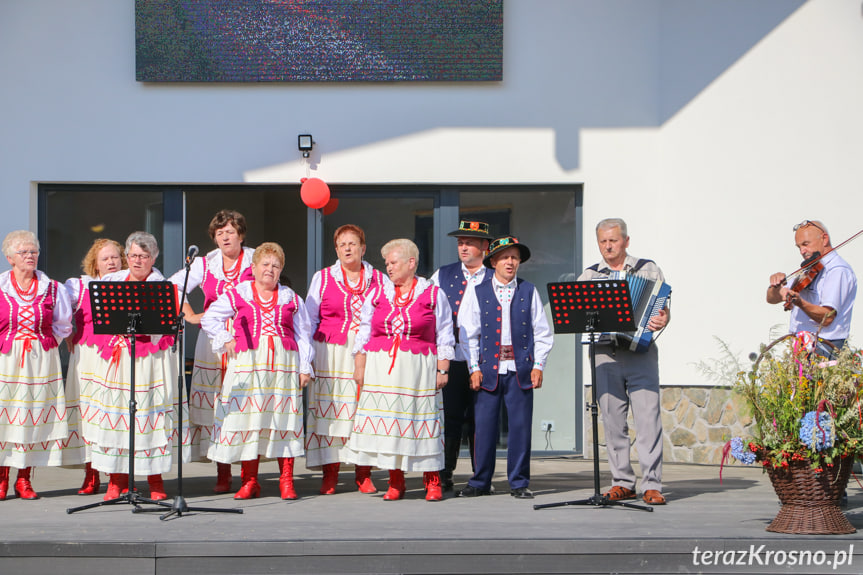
pixel 75 217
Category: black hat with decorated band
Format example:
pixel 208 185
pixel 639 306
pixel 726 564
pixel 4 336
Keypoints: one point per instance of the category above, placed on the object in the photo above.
pixel 471 229
pixel 503 243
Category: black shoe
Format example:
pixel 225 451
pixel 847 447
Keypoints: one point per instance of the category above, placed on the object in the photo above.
pixel 447 484
pixel 522 493
pixel 471 491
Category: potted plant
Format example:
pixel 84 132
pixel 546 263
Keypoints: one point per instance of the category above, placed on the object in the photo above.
pixel 807 429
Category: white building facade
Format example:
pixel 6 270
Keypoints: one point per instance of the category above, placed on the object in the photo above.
pixel 710 126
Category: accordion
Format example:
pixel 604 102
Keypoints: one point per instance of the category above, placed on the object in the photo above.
pixel 648 299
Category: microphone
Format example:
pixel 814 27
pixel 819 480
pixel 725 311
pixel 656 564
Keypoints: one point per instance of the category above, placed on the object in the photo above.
pixel 190 255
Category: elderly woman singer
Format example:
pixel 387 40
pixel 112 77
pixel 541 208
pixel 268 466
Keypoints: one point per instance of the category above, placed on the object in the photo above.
pixel 402 354
pixel 217 272
pixel 259 411
pixel 104 256
pixel 35 314
pixel 334 301
pixel 156 370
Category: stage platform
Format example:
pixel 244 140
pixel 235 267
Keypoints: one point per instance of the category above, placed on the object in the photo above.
pixel 354 533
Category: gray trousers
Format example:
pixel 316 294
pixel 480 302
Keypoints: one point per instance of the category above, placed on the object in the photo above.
pixel 623 379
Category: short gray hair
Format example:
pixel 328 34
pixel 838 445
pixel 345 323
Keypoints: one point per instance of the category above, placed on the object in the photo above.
pixel 609 223
pixel 16 239
pixel 407 248
pixel 144 241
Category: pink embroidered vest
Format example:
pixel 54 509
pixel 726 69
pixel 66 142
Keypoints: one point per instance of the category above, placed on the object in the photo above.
pixel 248 322
pixel 213 287
pixel 42 307
pixel 83 318
pixel 112 345
pixel 340 309
pixel 417 318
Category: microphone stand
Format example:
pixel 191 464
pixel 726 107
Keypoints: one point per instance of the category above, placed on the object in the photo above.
pixel 179 506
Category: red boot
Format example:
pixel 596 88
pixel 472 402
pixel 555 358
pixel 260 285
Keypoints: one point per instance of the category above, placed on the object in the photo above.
pixel 397 485
pixel 118 483
pixel 286 478
pixel 363 477
pixel 431 479
pixel 250 487
pixel 331 477
pixel 223 478
pixel 157 488
pixel 91 481
pixel 23 489
pixel 4 482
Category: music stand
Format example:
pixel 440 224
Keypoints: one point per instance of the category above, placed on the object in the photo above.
pixel 591 307
pixel 130 309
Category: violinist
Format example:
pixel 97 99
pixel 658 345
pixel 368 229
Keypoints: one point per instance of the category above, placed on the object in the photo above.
pixel 821 295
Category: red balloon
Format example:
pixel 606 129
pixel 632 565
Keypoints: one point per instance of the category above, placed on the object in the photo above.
pixel 315 193
pixel 331 206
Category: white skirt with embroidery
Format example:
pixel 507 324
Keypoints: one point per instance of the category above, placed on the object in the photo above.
pixel 398 419
pixel 106 428
pixel 332 403
pixel 83 362
pixel 260 408
pixel 34 427
pixel 206 385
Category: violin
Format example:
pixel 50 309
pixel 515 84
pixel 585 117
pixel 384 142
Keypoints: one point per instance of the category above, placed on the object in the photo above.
pixel 809 270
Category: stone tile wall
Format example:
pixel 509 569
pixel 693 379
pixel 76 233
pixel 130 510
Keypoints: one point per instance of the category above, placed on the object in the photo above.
pixel 696 423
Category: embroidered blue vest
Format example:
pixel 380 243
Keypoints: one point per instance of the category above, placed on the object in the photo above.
pixel 521 330
pixel 453 283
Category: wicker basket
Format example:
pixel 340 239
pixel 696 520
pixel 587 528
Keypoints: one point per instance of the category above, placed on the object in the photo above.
pixel 810 501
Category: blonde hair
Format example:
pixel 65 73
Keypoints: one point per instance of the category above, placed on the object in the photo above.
pixel 407 248
pixel 269 249
pixel 16 239
pixel 90 265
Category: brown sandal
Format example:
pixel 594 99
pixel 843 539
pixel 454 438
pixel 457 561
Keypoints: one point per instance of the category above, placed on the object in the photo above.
pixel 618 493
pixel 653 497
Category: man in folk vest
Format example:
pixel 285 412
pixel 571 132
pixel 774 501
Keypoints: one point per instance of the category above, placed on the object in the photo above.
pixel 627 378
pixel 503 323
pixel 455 279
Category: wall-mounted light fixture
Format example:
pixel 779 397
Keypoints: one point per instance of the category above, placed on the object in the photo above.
pixel 305 144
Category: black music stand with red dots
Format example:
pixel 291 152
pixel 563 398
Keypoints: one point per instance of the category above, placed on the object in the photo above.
pixel 130 309
pixel 592 307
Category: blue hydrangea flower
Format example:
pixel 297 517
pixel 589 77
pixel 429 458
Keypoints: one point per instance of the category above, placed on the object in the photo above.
pixel 814 438
pixel 741 452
